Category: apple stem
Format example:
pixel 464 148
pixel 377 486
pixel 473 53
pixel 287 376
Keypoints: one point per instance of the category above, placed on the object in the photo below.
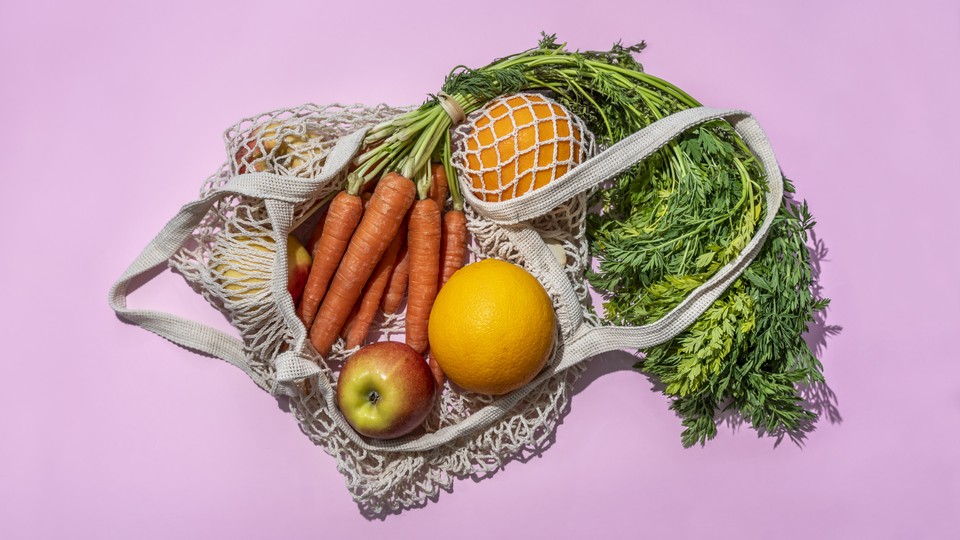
pixel 374 397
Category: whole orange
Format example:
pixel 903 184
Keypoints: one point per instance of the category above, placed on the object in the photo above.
pixel 519 143
pixel 492 327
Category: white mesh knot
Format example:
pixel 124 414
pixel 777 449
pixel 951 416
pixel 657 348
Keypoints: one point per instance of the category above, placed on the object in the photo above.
pixel 292 367
pixel 518 144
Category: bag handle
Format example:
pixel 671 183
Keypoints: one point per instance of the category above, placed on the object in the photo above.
pixel 605 165
pixel 597 340
pixel 285 190
pixel 514 213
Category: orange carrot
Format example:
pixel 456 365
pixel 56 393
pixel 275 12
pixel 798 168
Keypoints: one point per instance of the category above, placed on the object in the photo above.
pixel 312 248
pixel 316 235
pixel 438 375
pixel 453 244
pixel 356 307
pixel 342 218
pixel 391 200
pixel 423 241
pixel 438 187
pixel 397 286
pixel 359 327
pixel 350 319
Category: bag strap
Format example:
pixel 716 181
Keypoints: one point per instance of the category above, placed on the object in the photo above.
pixel 605 165
pixel 285 190
pixel 514 213
pixel 596 340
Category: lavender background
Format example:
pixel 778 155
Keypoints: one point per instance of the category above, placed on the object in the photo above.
pixel 113 113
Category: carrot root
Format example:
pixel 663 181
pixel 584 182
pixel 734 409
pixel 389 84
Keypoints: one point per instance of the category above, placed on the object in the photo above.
pixel 350 320
pixel 423 240
pixel 438 186
pixel 397 286
pixel 359 327
pixel 453 244
pixel 316 236
pixel 344 214
pixel 391 199
pixel 439 376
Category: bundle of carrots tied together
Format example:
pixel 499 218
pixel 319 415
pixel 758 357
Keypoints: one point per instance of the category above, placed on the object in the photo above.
pixel 369 250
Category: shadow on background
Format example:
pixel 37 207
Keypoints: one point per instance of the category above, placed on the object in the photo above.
pixel 606 363
pixel 818 396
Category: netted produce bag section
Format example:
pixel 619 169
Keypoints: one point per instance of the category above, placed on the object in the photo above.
pixel 415 281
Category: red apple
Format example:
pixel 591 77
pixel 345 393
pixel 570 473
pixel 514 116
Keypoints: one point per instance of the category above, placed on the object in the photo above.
pixel 299 263
pixel 385 390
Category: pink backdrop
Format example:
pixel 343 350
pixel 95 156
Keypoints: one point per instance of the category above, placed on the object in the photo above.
pixel 113 117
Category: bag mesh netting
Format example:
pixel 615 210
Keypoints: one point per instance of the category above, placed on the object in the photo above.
pixel 231 261
pixel 518 143
pixel 230 245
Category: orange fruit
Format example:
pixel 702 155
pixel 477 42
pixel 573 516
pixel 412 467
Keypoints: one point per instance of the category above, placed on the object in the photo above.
pixel 519 143
pixel 492 327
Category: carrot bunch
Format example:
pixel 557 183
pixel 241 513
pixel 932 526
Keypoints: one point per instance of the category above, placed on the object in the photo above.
pixel 369 255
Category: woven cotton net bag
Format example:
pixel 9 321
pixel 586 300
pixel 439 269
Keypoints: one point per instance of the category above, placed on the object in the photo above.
pixel 230 245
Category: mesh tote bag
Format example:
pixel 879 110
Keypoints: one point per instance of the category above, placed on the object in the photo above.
pixel 282 165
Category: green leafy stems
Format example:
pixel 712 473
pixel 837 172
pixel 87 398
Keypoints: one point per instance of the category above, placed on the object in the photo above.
pixel 407 143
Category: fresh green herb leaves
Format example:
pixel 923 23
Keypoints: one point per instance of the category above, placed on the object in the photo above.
pixel 747 350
